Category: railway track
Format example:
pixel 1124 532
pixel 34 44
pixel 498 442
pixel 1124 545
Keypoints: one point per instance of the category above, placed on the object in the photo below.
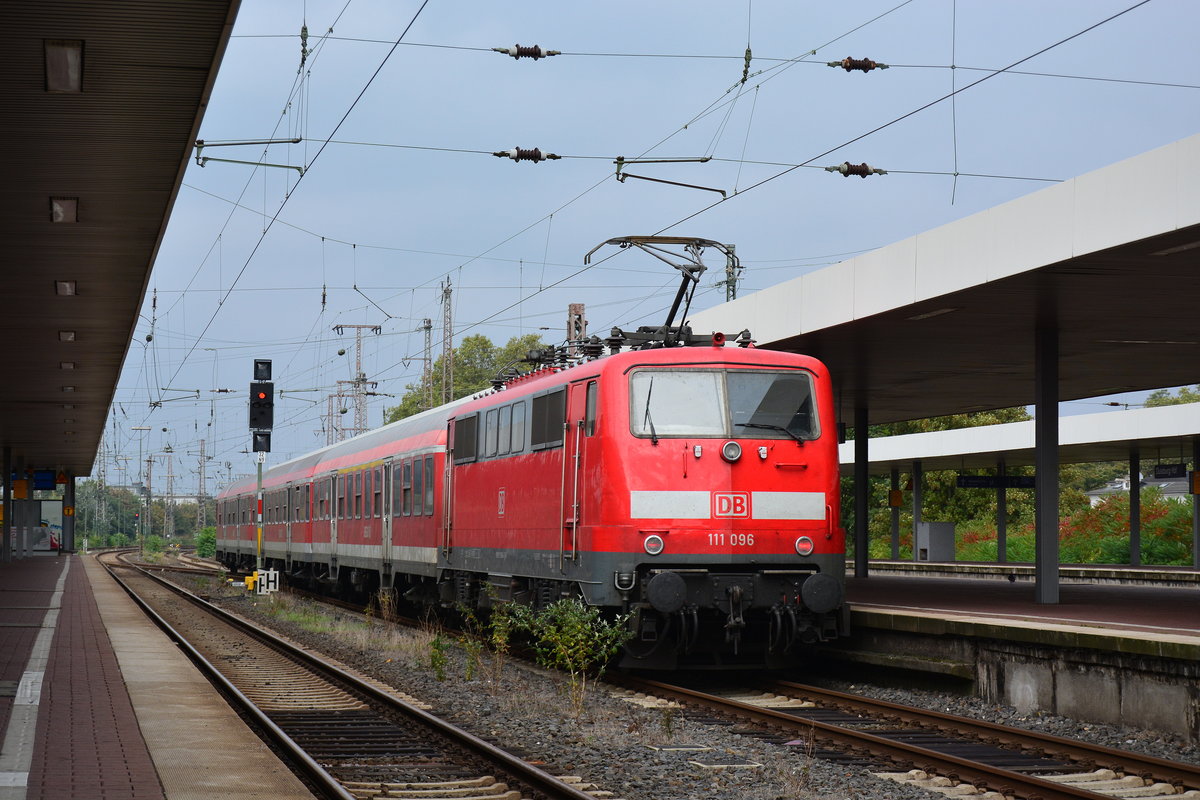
pixel 352 738
pixel 953 755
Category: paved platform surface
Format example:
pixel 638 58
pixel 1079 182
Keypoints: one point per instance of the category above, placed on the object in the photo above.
pixel 96 702
pixel 1154 613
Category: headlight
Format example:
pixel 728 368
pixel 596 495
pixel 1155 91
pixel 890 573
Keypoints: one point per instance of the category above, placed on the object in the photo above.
pixel 654 544
pixel 804 546
pixel 731 451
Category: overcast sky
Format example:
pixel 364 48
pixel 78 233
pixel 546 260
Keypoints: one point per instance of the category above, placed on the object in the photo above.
pixel 400 191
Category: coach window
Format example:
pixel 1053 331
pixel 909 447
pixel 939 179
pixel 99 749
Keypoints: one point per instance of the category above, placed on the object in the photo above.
pixel 466 436
pixel 418 486
pixel 505 442
pixel 368 487
pixel 589 424
pixel 407 484
pixel 518 427
pixel 341 495
pixel 378 491
pixel 546 421
pixel 429 484
pixel 358 489
pixel 490 431
pixel 397 488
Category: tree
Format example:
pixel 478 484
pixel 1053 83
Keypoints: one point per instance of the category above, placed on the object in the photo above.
pixel 1163 397
pixel 476 362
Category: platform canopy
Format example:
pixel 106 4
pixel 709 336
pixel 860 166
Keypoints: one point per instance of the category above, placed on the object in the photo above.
pixel 944 322
pixel 1159 434
pixel 102 100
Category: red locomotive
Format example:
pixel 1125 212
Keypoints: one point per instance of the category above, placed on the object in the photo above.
pixel 692 483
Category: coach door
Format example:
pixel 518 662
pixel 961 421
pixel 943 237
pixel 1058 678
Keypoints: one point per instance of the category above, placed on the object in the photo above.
pixel 579 429
pixel 386 517
pixel 339 509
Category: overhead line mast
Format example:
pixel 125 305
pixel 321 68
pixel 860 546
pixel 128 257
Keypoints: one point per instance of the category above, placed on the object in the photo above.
pixel 447 344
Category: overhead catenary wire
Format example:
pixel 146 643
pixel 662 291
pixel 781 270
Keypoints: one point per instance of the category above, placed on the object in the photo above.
pixel 317 155
pixel 894 171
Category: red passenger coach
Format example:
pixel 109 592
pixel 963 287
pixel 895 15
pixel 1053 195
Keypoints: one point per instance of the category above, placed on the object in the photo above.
pixel 690 483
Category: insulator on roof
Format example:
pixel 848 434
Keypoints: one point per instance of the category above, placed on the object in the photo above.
pixel 861 170
pixel 535 51
pixel 860 64
pixel 519 154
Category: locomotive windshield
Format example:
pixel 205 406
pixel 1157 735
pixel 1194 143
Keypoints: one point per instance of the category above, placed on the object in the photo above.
pixel 738 404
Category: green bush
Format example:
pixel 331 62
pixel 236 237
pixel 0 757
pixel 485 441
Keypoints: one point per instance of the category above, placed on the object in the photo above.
pixel 1089 535
pixel 154 544
pixel 572 636
pixel 206 542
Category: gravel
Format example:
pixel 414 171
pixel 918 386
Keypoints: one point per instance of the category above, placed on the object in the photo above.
pixel 612 743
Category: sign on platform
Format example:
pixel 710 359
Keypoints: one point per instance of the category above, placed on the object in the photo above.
pixel 1170 471
pixel 994 481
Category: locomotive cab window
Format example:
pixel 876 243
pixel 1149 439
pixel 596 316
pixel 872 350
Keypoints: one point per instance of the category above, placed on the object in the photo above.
pixel 744 404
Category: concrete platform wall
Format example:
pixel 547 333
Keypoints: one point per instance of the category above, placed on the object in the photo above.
pixel 1136 689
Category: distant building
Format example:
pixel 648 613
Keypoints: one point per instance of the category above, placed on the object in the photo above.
pixel 1171 488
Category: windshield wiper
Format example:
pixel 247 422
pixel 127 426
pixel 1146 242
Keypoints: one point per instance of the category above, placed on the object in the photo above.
pixel 648 420
pixel 768 426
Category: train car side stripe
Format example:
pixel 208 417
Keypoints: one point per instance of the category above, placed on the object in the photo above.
pixel 787 505
pixel 670 505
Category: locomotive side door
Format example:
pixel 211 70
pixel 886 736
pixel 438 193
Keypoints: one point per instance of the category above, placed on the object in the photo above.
pixel 580 427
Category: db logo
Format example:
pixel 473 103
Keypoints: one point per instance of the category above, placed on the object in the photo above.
pixel 731 504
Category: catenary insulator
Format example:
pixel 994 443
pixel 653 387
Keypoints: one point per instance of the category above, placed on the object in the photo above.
pixel 520 154
pixel 861 170
pixel 860 64
pixel 535 52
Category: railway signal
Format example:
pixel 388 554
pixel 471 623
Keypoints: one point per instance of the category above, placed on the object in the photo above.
pixel 262 405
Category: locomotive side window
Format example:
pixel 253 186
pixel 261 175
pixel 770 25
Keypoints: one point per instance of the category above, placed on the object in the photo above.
pixel 407 488
pixel 589 424
pixel 429 484
pixel 518 427
pixel 491 424
pixel 418 486
pixel 378 486
pixel 546 423
pixel 505 442
pixel 465 437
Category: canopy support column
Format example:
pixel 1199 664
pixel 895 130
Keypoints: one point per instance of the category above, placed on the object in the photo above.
pixel 1045 382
